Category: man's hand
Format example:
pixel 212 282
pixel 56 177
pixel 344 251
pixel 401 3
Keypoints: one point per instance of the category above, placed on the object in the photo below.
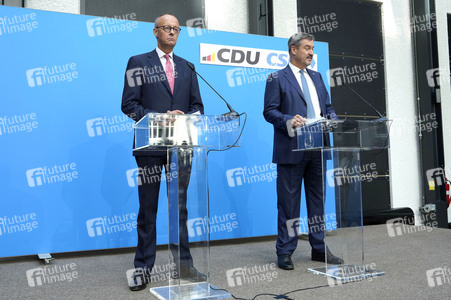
pixel 176 112
pixel 298 121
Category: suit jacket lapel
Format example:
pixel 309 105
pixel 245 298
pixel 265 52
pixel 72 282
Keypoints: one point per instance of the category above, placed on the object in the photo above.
pixel 155 64
pixel 293 81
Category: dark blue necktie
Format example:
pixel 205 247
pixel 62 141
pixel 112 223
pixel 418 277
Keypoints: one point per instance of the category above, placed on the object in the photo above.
pixel 310 110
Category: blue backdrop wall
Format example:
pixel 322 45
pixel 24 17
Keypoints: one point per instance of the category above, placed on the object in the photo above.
pixel 65 146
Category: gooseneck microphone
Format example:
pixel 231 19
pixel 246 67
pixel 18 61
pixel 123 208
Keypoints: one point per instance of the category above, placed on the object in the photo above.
pixel 381 116
pixel 232 113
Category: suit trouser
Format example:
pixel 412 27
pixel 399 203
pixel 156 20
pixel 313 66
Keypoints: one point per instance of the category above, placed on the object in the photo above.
pixel 148 191
pixel 289 183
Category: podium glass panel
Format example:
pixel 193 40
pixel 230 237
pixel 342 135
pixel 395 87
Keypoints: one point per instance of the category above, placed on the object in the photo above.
pixel 187 140
pixel 340 143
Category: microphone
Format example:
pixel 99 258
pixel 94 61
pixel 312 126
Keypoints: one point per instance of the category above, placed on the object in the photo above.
pixel 232 114
pixel 381 116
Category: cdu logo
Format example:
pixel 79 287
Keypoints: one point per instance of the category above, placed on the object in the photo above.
pixel 195 26
pixel 35 77
pixel 95 27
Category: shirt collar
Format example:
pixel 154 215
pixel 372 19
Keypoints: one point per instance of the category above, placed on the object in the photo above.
pixel 295 69
pixel 162 54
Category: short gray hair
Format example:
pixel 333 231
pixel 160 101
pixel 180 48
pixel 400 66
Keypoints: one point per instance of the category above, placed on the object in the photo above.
pixel 158 18
pixel 296 39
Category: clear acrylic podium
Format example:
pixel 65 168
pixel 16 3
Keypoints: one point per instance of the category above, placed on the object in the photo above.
pixel 187 140
pixel 340 143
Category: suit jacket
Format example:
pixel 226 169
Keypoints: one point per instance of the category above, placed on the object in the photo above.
pixel 283 100
pixel 146 89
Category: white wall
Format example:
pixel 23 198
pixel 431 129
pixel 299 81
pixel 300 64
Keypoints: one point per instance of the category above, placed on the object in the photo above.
pixel 443 8
pixel 227 15
pixel 285 18
pixel 65 6
pixel 404 154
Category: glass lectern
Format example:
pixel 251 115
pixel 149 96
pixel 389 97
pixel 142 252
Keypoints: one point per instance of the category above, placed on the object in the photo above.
pixel 187 140
pixel 340 143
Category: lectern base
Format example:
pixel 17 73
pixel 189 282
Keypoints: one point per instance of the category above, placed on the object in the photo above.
pixel 190 291
pixel 346 273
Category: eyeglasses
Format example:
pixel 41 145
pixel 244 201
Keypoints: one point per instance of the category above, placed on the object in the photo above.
pixel 169 28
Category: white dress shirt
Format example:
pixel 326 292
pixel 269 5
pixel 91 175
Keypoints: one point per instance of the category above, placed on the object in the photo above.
pixel 161 55
pixel 311 87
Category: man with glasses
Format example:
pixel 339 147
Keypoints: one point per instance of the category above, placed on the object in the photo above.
pixel 160 82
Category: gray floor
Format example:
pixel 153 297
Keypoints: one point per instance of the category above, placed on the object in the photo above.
pixel 404 258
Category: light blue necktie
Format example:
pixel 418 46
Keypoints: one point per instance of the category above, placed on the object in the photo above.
pixel 308 99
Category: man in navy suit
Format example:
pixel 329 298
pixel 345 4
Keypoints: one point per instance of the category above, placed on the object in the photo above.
pixel 160 82
pixel 293 96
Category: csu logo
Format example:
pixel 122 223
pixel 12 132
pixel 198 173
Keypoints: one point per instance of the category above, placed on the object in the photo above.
pixel 235 177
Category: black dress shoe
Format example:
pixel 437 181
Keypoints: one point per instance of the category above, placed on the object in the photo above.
pixel 189 273
pixel 321 256
pixel 284 261
pixel 139 282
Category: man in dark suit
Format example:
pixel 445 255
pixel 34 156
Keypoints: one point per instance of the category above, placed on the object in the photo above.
pixel 159 82
pixel 293 96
